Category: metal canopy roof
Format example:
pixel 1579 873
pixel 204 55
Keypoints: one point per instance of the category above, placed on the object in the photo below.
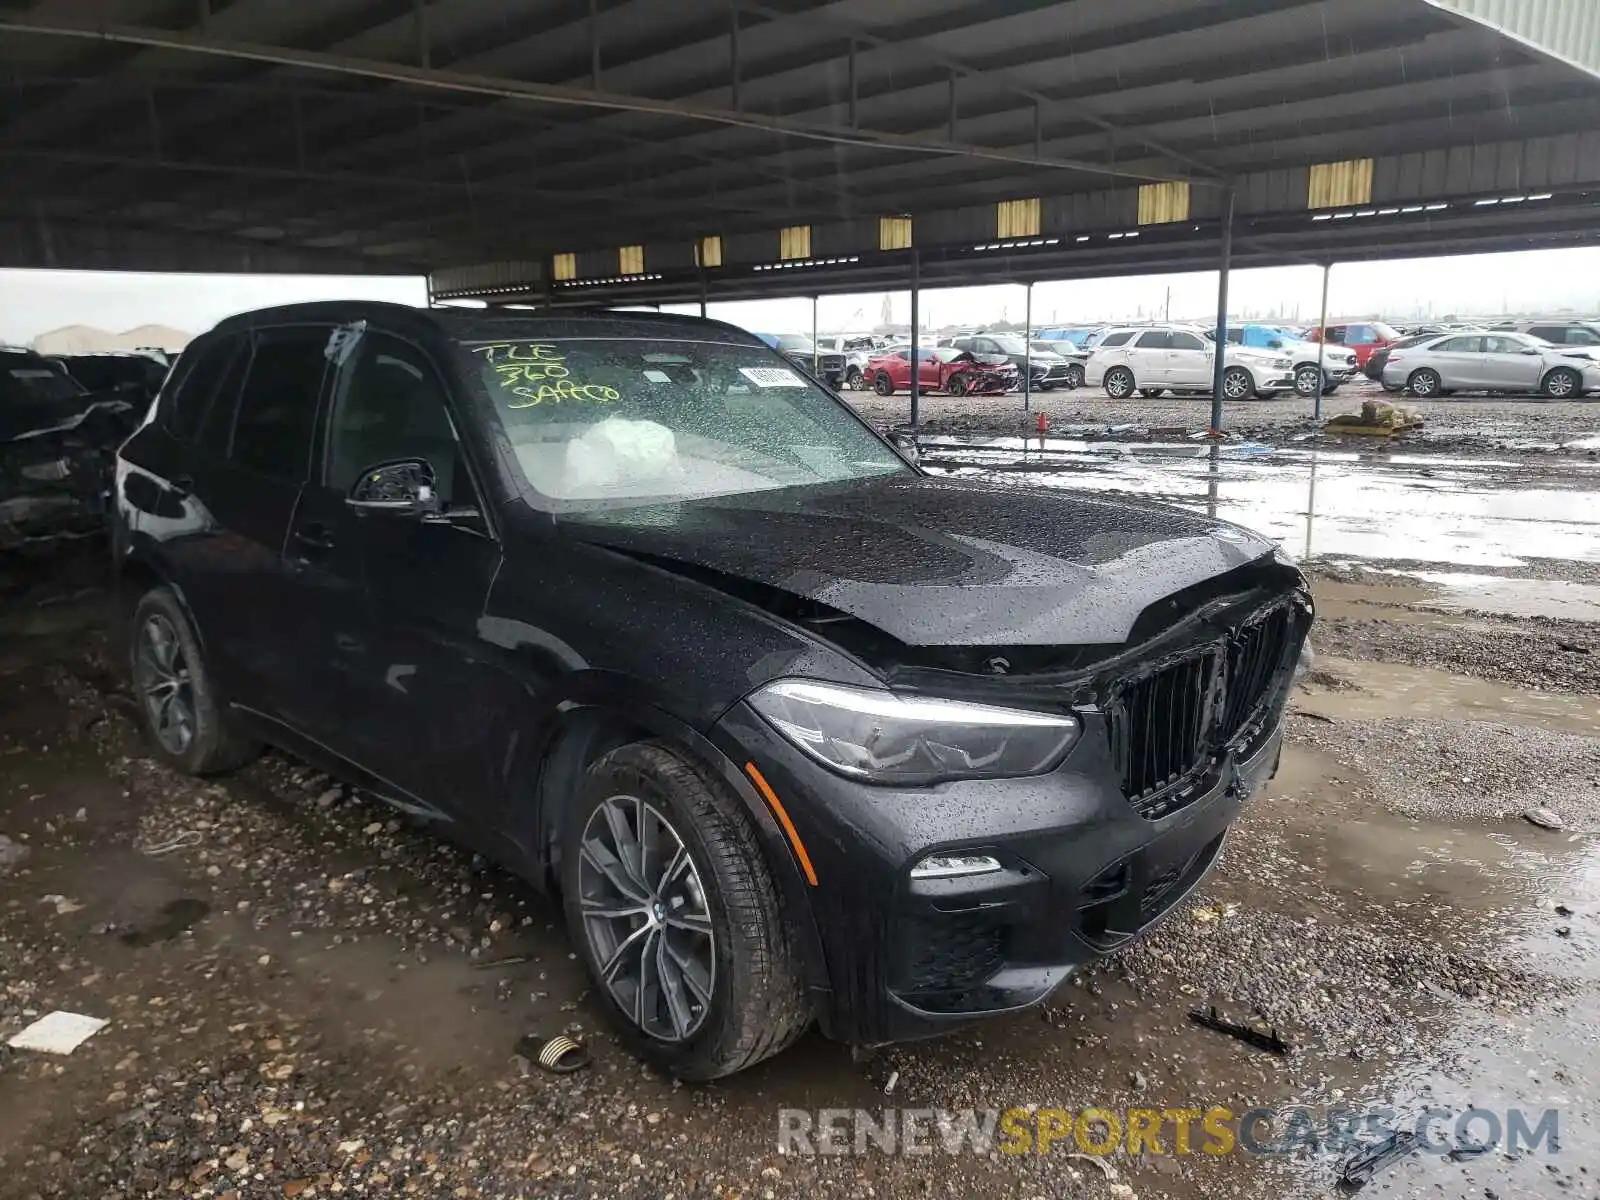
pixel 476 139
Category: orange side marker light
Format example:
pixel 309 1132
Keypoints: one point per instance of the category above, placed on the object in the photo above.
pixel 782 814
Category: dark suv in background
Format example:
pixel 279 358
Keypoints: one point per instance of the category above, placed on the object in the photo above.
pixel 625 602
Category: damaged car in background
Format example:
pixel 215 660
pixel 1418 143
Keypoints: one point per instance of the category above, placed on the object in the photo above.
pixel 57 446
pixel 797 732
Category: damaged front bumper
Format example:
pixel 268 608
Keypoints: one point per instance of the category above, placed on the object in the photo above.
pixel 55 482
pixel 1078 871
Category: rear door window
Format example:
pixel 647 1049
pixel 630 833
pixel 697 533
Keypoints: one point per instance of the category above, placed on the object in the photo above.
pixel 199 380
pixel 278 404
pixel 1178 340
pixel 1154 339
pixel 1117 339
pixel 1460 345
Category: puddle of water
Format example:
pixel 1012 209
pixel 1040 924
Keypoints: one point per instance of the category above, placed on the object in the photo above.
pixel 1513 597
pixel 1472 512
pixel 1386 690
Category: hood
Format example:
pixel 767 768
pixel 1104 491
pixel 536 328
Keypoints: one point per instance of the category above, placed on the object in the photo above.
pixel 993 360
pixel 941 562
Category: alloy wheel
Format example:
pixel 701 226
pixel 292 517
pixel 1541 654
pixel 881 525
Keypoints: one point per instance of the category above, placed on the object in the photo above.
pixel 1559 384
pixel 645 915
pixel 1305 381
pixel 161 675
pixel 1236 385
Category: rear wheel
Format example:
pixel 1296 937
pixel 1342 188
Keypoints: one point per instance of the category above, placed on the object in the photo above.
pixel 670 903
pixel 852 379
pixel 1424 383
pixel 1119 383
pixel 1237 384
pixel 882 384
pixel 1562 383
pixel 180 711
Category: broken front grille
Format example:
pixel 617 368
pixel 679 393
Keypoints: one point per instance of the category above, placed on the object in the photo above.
pixel 1169 727
pixel 1160 728
pixel 1254 655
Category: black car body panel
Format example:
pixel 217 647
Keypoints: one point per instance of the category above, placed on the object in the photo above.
pixel 461 666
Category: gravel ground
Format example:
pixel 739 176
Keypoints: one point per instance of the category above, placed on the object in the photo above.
pixel 1453 423
pixel 311 997
pixel 1426 770
pixel 1556 656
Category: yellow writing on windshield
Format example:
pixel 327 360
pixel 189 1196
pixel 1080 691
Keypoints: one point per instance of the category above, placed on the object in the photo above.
pixel 536 373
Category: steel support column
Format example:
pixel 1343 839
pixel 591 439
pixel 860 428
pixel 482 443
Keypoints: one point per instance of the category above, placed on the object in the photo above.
pixel 1027 348
pixel 816 351
pixel 1322 345
pixel 916 365
pixel 1220 364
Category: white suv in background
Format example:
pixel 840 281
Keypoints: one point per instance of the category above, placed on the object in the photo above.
pixel 1157 358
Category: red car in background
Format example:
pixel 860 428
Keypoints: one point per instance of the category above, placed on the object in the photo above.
pixel 1364 339
pixel 941 369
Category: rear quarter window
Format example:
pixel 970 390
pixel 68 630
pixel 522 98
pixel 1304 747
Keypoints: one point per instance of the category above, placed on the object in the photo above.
pixel 196 379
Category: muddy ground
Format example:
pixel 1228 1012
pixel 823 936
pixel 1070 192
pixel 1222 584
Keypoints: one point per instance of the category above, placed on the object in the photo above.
pixel 1452 423
pixel 310 996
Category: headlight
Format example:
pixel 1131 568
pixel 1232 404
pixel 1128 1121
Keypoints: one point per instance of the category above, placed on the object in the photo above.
pixel 1283 363
pixel 877 735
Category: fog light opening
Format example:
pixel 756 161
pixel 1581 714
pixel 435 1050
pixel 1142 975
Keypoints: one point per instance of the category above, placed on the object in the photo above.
pixel 949 866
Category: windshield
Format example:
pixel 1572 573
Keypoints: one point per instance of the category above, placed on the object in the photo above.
pixel 598 421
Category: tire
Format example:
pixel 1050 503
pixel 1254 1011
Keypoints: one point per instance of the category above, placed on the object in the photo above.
pixel 1330 389
pixel 1424 383
pixel 1075 376
pixel 1152 393
pixel 1119 383
pixel 956 385
pixel 882 384
pixel 182 716
pixel 755 1003
pixel 852 379
pixel 1237 384
pixel 1305 380
pixel 1562 384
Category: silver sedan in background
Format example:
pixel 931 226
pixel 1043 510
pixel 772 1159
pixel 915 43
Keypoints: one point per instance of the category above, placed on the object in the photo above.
pixel 1492 362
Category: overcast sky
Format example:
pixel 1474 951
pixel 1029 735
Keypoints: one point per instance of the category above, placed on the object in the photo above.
pixel 34 302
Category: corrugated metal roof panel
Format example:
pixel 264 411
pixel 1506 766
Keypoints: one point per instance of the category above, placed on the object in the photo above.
pixel 1565 29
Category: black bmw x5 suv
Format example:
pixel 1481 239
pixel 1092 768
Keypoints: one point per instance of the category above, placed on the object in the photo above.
pixel 796 731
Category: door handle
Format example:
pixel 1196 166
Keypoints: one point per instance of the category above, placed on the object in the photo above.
pixel 315 537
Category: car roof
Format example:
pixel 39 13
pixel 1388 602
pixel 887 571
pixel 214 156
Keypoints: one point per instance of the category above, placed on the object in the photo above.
pixel 474 324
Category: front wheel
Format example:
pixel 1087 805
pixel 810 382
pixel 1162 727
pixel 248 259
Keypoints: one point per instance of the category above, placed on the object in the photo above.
pixel 882 384
pixel 1305 380
pixel 1119 383
pixel 1424 383
pixel 1562 383
pixel 956 385
pixel 180 711
pixel 1237 384
pixel 1075 376
pixel 671 905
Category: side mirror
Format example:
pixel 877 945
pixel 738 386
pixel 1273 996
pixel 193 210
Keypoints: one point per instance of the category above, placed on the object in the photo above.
pixel 402 488
pixel 1274 344
pixel 1532 350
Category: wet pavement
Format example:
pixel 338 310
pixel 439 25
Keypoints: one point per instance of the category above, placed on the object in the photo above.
pixel 309 995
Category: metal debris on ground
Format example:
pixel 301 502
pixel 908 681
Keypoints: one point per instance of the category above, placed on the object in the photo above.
pixel 1359 1169
pixel 57 1033
pixel 1269 1041
pixel 509 960
pixel 183 841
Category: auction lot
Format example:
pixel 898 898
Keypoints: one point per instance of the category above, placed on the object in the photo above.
pixel 310 995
